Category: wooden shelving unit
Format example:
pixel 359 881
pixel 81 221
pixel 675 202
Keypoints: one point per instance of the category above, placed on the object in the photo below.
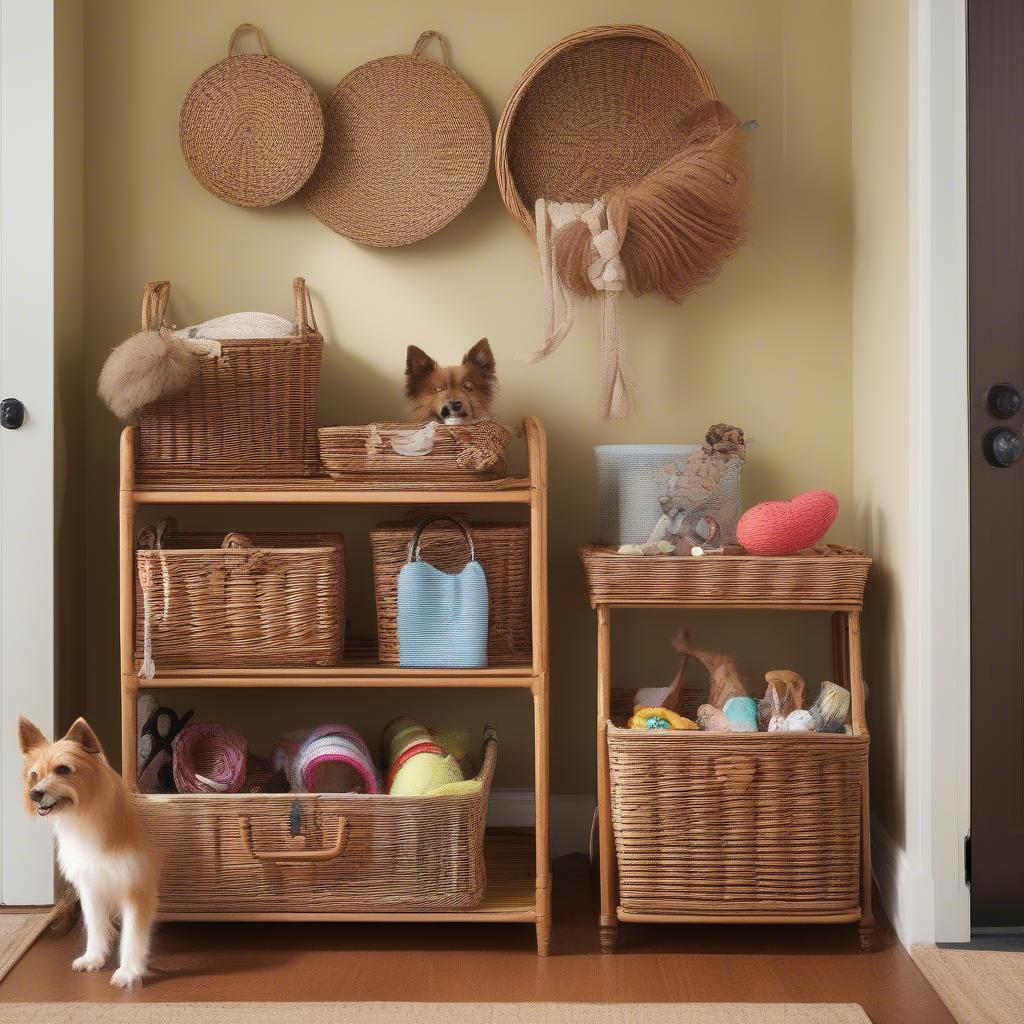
pixel 518 867
pixel 830 581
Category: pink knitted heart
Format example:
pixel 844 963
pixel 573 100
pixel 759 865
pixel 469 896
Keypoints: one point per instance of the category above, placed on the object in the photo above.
pixel 782 527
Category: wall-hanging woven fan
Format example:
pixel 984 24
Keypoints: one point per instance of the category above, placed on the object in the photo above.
pixel 615 149
pixel 408 146
pixel 251 128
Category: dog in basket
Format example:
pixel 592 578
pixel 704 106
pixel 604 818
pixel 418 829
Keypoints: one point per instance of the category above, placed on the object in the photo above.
pixel 453 395
pixel 102 848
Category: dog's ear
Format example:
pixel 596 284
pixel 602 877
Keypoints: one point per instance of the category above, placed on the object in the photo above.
pixel 481 356
pixel 29 735
pixel 82 734
pixel 418 363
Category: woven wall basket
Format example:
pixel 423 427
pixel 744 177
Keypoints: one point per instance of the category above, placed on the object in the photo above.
pixel 597 110
pixel 407 148
pixel 251 128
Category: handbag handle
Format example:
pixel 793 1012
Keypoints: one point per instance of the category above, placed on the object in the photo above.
pixel 413 554
pixel 155 298
pixel 294 856
pixel 247 27
pixel 304 316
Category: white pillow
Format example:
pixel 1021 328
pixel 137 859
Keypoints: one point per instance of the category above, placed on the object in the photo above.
pixel 240 325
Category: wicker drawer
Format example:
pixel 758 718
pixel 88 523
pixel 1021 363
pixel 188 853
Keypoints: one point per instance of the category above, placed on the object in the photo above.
pixel 756 824
pixel 243 853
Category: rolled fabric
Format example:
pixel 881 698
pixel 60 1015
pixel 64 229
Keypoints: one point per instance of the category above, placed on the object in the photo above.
pixel 209 758
pixel 417 765
pixel 331 758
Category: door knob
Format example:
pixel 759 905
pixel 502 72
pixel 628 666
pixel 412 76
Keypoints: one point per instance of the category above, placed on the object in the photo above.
pixel 12 414
pixel 1003 401
pixel 1002 446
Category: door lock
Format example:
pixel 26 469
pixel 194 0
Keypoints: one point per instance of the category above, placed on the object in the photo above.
pixel 12 414
pixel 1002 446
pixel 1003 401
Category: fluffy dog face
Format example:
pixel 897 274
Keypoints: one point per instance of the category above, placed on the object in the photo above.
pixel 451 394
pixel 63 775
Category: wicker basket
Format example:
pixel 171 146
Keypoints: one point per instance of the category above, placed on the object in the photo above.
pixel 278 604
pixel 320 852
pixel 830 576
pixel 503 549
pixel 249 414
pixel 458 453
pixel 752 825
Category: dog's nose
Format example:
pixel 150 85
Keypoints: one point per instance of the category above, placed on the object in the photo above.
pixel 35 795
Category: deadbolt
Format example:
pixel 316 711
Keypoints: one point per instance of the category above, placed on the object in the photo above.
pixel 1002 446
pixel 12 414
pixel 1003 401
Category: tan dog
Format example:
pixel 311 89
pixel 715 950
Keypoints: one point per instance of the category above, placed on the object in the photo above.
pixel 102 848
pixel 451 394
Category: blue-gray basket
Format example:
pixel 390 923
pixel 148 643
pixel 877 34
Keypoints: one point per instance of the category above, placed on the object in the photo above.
pixel 632 478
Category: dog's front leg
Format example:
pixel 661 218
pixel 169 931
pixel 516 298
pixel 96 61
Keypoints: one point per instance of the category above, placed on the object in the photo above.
pixel 136 925
pixel 98 932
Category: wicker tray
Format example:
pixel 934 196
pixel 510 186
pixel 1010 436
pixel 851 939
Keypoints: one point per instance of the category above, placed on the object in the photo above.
pixel 365 451
pixel 278 604
pixel 829 576
pixel 503 549
pixel 754 824
pixel 241 853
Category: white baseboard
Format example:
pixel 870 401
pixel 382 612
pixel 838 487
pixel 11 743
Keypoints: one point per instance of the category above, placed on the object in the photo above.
pixel 570 817
pixel 908 895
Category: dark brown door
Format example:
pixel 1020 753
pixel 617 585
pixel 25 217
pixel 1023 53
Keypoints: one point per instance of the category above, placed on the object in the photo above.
pixel 995 32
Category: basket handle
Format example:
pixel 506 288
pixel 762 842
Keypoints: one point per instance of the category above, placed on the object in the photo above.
pixel 413 554
pixel 424 41
pixel 305 318
pixel 155 298
pixel 247 27
pixel 294 856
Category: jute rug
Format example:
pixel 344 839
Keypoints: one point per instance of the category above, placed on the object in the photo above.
pixel 19 930
pixel 980 986
pixel 433 1013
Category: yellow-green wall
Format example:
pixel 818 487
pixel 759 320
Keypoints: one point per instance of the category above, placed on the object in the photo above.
pixel 767 346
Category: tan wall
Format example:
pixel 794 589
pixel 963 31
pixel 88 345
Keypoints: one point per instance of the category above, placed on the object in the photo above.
pixel 767 346
pixel 880 377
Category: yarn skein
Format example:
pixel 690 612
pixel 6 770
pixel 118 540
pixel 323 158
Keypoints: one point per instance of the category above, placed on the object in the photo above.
pixel 785 527
pixel 209 758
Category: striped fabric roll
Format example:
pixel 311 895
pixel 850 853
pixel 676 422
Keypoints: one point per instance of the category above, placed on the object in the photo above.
pixel 328 759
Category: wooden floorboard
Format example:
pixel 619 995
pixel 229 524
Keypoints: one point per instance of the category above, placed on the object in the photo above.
pixel 497 963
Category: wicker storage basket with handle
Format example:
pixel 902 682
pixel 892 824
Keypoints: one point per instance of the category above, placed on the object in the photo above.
pixel 266 600
pixel 503 549
pixel 248 414
pixel 326 853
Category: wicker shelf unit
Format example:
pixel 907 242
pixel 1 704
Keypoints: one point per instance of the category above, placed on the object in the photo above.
pixel 518 866
pixel 835 885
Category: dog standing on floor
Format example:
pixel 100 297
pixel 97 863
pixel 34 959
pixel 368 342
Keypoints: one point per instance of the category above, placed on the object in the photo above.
pixel 103 850
pixel 454 395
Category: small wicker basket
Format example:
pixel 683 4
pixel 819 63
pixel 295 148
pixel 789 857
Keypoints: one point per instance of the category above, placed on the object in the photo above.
pixel 279 603
pixel 503 549
pixel 476 452
pixel 321 853
pixel 248 414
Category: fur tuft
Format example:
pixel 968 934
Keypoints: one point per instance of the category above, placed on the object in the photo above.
pixel 147 367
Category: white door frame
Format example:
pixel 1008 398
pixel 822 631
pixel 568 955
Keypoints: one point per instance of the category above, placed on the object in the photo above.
pixel 938 599
pixel 26 455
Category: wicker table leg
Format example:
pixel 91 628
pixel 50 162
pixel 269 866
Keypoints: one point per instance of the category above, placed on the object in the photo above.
pixel 608 921
pixel 854 666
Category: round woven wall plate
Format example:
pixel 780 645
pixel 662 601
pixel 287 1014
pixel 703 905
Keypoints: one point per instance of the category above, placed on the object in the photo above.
pixel 407 148
pixel 595 111
pixel 251 127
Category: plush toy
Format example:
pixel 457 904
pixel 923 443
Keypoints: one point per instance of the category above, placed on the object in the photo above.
pixel 796 721
pixel 784 693
pixel 418 764
pixel 741 713
pixel 712 719
pixel 785 527
pixel 658 718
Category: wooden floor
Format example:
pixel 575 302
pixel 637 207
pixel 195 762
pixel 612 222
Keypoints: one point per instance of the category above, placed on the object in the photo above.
pixel 497 963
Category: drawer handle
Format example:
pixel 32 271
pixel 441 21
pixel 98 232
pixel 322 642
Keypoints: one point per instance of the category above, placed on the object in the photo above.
pixel 294 856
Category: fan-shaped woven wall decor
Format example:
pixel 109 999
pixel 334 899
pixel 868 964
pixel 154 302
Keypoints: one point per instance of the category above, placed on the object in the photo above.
pixel 251 127
pixel 407 148
pixel 616 150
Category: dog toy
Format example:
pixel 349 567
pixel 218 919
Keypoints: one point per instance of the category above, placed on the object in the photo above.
pixel 829 711
pixel 741 713
pixel 724 674
pixel 658 718
pixel 784 693
pixel 210 758
pixel 328 759
pixel 796 721
pixel 418 764
pixel 712 719
pixel 784 527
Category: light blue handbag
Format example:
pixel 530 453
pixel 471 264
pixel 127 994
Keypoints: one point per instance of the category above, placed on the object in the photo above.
pixel 442 617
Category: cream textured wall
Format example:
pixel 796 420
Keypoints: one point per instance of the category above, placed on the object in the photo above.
pixel 767 346
pixel 881 385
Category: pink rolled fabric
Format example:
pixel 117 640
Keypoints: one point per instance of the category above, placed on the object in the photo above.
pixel 210 758
pixel 328 759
